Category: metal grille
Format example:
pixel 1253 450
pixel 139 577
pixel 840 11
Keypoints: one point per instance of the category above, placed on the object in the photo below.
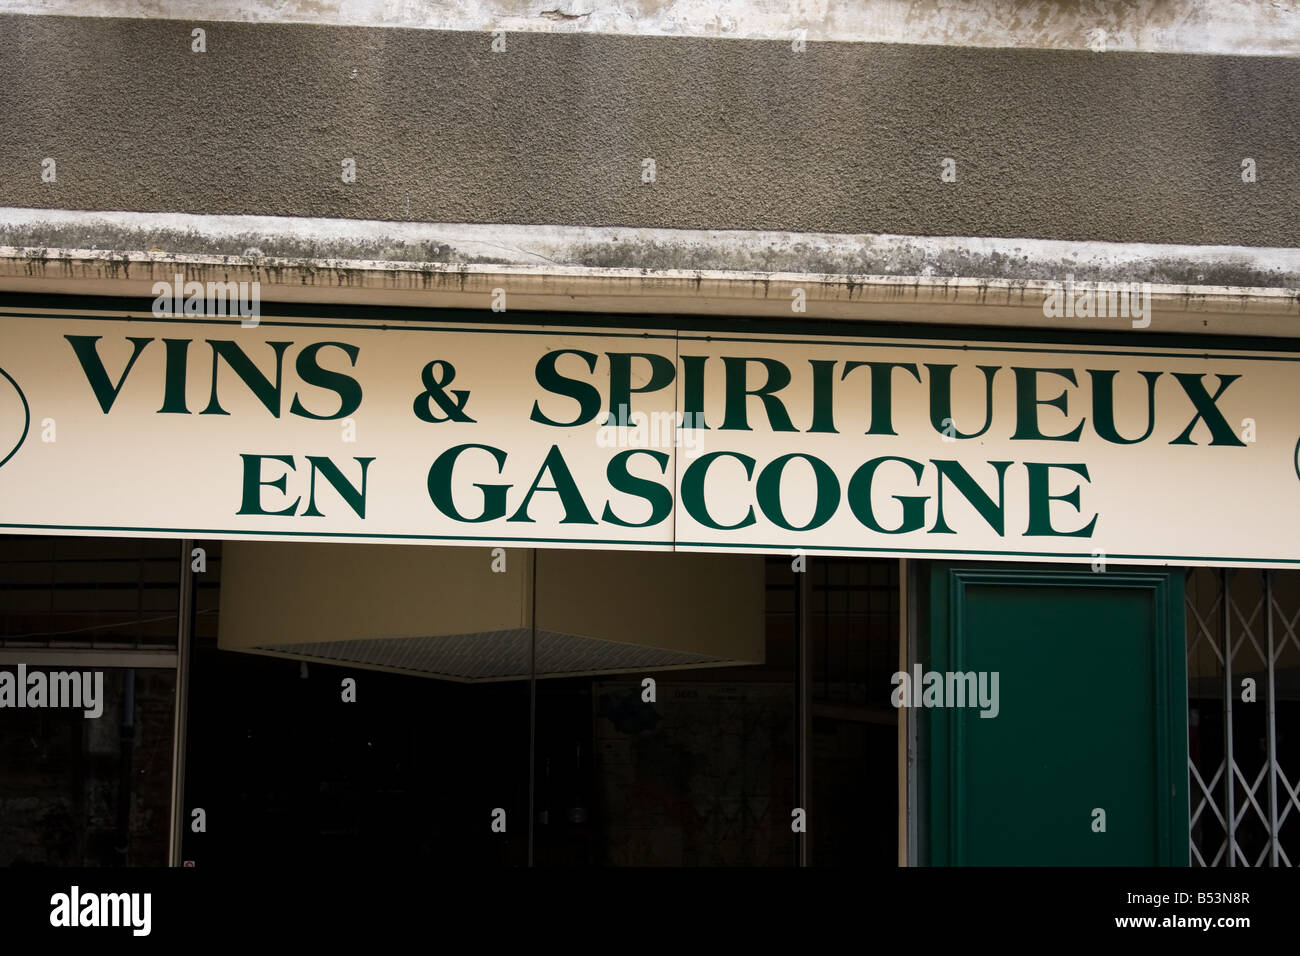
pixel 494 655
pixel 1243 675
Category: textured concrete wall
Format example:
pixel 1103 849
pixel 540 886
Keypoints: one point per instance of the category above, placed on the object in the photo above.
pixel 745 134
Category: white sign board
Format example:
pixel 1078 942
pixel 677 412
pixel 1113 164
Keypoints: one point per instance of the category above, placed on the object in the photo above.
pixel 525 435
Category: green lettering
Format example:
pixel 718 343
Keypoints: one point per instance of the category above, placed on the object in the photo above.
pixel 253 483
pixel 662 374
pixel 769 492
pixel 1040 501
pixel 992 512
pixel 738 393
pixel 882 403
pixel 345 386
pixel 575 509
pixel 860 497
pixel 1027 402
pixel 941 399
pixel 266 392
pixel 1103 406
pixel 439 485
pixel 88 355
pixel 586 395
pixel 693 490
pixel 356 499
pixel 621 479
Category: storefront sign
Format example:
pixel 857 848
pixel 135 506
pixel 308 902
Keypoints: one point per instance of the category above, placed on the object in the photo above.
pixel 571 437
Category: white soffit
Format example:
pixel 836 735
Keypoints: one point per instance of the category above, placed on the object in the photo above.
pixel 444 612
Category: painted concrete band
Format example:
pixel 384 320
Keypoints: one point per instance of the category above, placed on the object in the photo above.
pixel 842 138
pixel 1240 27
pixel 63 234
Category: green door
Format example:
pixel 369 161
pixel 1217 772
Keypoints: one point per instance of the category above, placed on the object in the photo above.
pixel 1082 757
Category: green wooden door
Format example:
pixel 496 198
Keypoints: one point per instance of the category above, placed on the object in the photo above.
pixel 1091 716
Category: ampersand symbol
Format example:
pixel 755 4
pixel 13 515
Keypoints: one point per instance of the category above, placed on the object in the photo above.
pixel 434 392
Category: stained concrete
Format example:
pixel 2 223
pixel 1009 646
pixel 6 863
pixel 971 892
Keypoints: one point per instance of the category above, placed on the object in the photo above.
pixel 1241 27
pixel 42 238
pixel 842 138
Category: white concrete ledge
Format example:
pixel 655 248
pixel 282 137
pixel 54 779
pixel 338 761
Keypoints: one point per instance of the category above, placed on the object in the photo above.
pixel 1236 27
pixel 959 280
pixel 749 251
pixel 1220 310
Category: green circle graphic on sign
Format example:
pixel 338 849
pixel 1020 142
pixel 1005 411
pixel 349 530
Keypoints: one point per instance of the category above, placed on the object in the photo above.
pixel 13 408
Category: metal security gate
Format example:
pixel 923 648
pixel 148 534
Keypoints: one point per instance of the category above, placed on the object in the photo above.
pixel 1243 680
